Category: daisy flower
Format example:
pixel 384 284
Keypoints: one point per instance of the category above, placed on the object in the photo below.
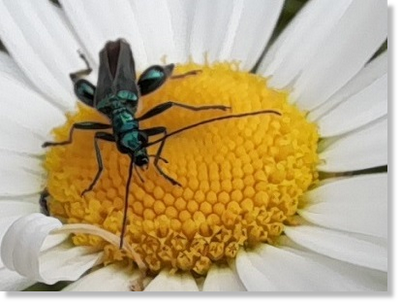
pixel 290 202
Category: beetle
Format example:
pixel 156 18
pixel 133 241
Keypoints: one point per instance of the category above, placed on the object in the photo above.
pixel 117 95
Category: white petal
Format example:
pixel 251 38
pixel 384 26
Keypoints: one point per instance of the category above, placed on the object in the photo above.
pixel 19 182
pixel 356 204
pixel 20 174
pixel 17 161
pixel 361 149
pixel 259 19
pixel 96 22
pixel 181 14
pixel 12 281
pixel 232 30
pixel 14 137
pixel 221 278
pixel 289 55
pixel 53 240
pixel 15 207
pixel 21 250
pixel 250 269
pixel 30 198
pixel 325 47
pixel 148 26
pixel 359 102
pixel 355 249
pixel 42 46
pixel 155 27
pixel 172 282
pixel 114 277
pixel 28 109
pixel 356 277
pixel 208 23
pixel 270 268
pixel 9 69
pixel 66 263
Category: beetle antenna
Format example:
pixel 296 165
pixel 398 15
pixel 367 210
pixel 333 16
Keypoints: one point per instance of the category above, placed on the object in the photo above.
pixel 131 168
pixel 212 120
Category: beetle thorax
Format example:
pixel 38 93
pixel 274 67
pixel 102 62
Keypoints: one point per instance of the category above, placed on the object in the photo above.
pixel 123 120
pixel 128 136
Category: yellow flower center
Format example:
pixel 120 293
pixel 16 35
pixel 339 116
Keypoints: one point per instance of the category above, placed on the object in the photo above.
pixel 241 178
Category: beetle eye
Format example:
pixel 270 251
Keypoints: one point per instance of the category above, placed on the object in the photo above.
pixel 127 95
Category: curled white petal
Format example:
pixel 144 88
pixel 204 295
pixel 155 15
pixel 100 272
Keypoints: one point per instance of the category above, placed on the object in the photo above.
pixel 22 251
pixel 6 222
pixel 17 237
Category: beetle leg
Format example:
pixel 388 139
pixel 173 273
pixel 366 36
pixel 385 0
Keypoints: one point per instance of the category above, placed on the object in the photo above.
pixel 75 76
pixel 43 202
pixel 86 125
pixel 98 136
pixel 169 104
pixel 157 157
pixel 190 73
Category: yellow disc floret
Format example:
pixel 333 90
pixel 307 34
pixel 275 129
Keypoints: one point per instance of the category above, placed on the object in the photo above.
pixel 241 178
